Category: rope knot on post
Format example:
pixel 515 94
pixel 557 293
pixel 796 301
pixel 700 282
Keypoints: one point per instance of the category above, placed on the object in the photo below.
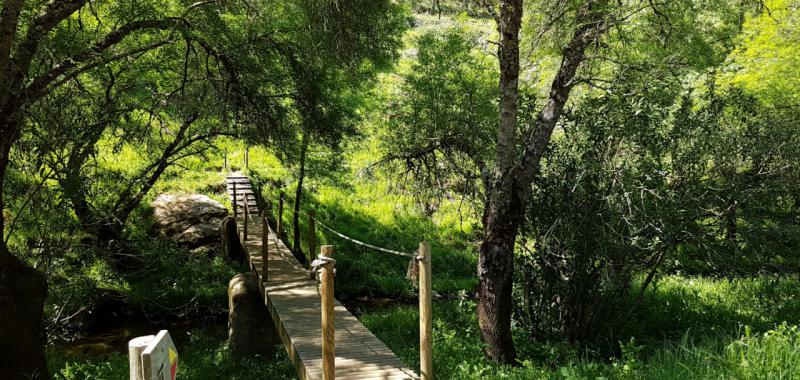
pixel 319 263
pixel 412 273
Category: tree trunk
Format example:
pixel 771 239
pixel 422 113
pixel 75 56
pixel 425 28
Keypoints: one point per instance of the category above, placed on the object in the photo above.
pixel 22 293
pixel 513 174
pixel 22 338
pixel 298 195
pixel 73 187
pixel 501 220
pixel 502 213
pixel 729 221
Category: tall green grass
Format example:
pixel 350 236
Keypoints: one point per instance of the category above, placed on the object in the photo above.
pixel 735 352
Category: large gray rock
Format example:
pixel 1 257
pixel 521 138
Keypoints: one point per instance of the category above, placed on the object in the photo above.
pixel 250 327
pixel 192 220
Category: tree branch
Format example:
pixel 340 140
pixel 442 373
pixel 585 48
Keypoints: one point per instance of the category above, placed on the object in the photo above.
pixel 54 12
pixel 70 68
pixel 8 32
pixel 591 24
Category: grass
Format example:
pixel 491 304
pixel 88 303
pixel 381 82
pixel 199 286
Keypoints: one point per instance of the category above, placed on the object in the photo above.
pixel 684 327
pixel 715 344
pixel 368 211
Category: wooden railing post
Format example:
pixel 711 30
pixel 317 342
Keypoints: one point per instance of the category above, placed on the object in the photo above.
pixel 235 213
pixel 257 195
pixel 264 250
pixel 328 330
pixel 425 323
pixel 312 234
pixel 246 157
pixel 279 230
pixel 246 216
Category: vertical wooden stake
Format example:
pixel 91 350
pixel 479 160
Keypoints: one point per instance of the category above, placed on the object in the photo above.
pixel 264 250
pixel 328 331
pixel 235 214
pixel 246 157
pixel 257 195
pixel 279 231
pixel 425 322
pixel 246 216
pixel 312 234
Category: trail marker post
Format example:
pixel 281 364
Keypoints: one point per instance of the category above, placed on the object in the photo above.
pixel 153 357
pixel 425 322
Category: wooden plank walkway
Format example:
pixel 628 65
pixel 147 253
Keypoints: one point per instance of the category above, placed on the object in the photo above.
pixel 293 301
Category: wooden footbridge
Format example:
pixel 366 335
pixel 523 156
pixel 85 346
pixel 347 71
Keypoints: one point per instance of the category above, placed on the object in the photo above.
pixel 297 305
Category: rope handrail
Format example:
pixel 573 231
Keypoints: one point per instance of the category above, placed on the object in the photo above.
pixel 359 242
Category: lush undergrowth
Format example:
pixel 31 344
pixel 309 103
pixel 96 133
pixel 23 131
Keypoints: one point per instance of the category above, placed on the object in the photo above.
pixel 686 329
pixel 154 285
pixel 203 356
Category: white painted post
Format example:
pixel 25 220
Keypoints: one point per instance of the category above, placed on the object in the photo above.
pixel 153 357
pixel 135 348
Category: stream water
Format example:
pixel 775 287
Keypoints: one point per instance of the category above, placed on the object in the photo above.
pixel 113 336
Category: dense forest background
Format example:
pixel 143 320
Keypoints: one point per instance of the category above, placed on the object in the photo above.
pixel 623 175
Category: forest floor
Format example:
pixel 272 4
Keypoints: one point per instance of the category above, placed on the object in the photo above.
pixel 685 327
